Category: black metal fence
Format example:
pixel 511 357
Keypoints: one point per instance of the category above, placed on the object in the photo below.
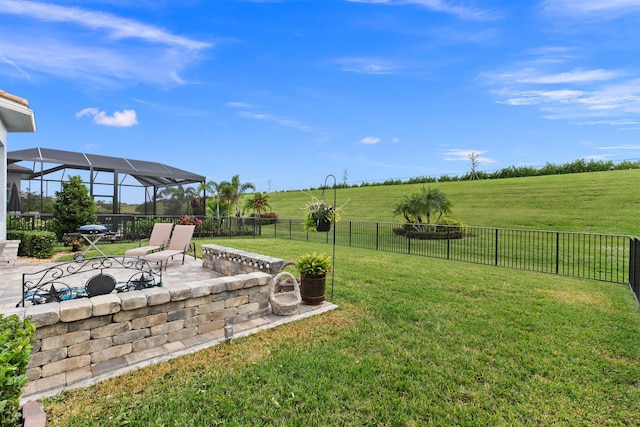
pixel 611 258
pixel 605 257
pixel 593 256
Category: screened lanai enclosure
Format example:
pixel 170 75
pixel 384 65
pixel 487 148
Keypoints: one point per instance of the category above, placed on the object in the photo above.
pixel 105 174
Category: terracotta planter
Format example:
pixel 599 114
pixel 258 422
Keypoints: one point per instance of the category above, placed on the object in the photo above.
pixel 312 288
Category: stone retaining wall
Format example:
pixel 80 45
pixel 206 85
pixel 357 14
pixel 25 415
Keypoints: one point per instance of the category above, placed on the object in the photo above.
pixel 84 339
pixel 230 261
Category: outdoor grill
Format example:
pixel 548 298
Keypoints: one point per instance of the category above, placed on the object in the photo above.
pixel 92 234
pixel 93 229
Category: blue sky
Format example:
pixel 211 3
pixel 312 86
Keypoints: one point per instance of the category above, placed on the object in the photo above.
pixel 284 93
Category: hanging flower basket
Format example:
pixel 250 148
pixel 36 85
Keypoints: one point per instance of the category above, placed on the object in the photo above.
pixel 323 225
pixel 319 215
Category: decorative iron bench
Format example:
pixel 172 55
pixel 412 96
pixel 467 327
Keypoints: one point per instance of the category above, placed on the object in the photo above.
pixel 89 277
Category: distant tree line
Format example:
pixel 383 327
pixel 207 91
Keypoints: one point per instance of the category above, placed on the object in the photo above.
pixel 577 166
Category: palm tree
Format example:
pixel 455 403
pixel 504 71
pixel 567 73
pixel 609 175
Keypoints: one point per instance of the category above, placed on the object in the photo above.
pixel 191 197
pixel 258 203
pixel 210 187
pixel 177 199
pixel 232 191
pixel 409 208
pixel 173 198
pixel 427 202
pixel 434 200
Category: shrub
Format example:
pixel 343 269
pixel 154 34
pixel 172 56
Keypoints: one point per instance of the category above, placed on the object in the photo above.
pixel 265 218
pixel 15 349
pixel 76 242
pixel 430 231
pixel 74 207
pixel 209 226
pixel 37 244
pixel 451 224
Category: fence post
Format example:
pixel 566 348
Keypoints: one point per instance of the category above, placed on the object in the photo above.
pixel 634 266
pixel 496 254
pixel 557 252
pixel 377 234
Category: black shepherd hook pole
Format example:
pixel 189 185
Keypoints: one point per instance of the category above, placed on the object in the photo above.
pixel 333 253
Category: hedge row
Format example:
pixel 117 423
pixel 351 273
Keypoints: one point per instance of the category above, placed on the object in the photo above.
pixel 37 244
pixel 577 166
pixel 15 349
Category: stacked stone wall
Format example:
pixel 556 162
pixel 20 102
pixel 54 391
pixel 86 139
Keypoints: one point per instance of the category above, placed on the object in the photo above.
pixel 230 261
pixel 89 338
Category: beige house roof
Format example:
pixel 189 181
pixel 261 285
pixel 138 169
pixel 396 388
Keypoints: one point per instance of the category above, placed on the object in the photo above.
pixel 15 113
pixel 7 95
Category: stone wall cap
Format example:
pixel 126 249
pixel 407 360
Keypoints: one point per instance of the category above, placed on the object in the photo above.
pixel 157 296
pixel 75 309
pixel 43 314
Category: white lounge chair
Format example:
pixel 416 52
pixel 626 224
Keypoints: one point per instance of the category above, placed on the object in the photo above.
pixel 180 243
pixel 158 240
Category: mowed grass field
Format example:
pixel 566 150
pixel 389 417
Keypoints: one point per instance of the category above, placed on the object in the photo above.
pixel 595 202
pixel 416 341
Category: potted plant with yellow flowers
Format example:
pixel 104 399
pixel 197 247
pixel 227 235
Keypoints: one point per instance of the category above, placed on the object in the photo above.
pixel 313 268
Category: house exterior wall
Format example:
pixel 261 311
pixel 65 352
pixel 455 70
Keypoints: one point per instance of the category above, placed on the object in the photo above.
pixel 3 181
pixel 15 116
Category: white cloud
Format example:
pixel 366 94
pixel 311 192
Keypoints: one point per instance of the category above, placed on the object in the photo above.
pixel 87 111
pixel 236 104
pixel 124 118
pixel 365 65
pixel 591 6
pixel 441 6
pixel 116 27
pixel 537 97
pixel 370 140
pixel 84 45
pixel 628 122
pixel 586 96
pixel 268 117
pixel 616 102
pixel 622 147
pixel 535 76
pixel 395 140
pixel 463 154
pixel 279 120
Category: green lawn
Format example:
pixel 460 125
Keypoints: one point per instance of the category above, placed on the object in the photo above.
pixel 416 341
pixel 594 202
